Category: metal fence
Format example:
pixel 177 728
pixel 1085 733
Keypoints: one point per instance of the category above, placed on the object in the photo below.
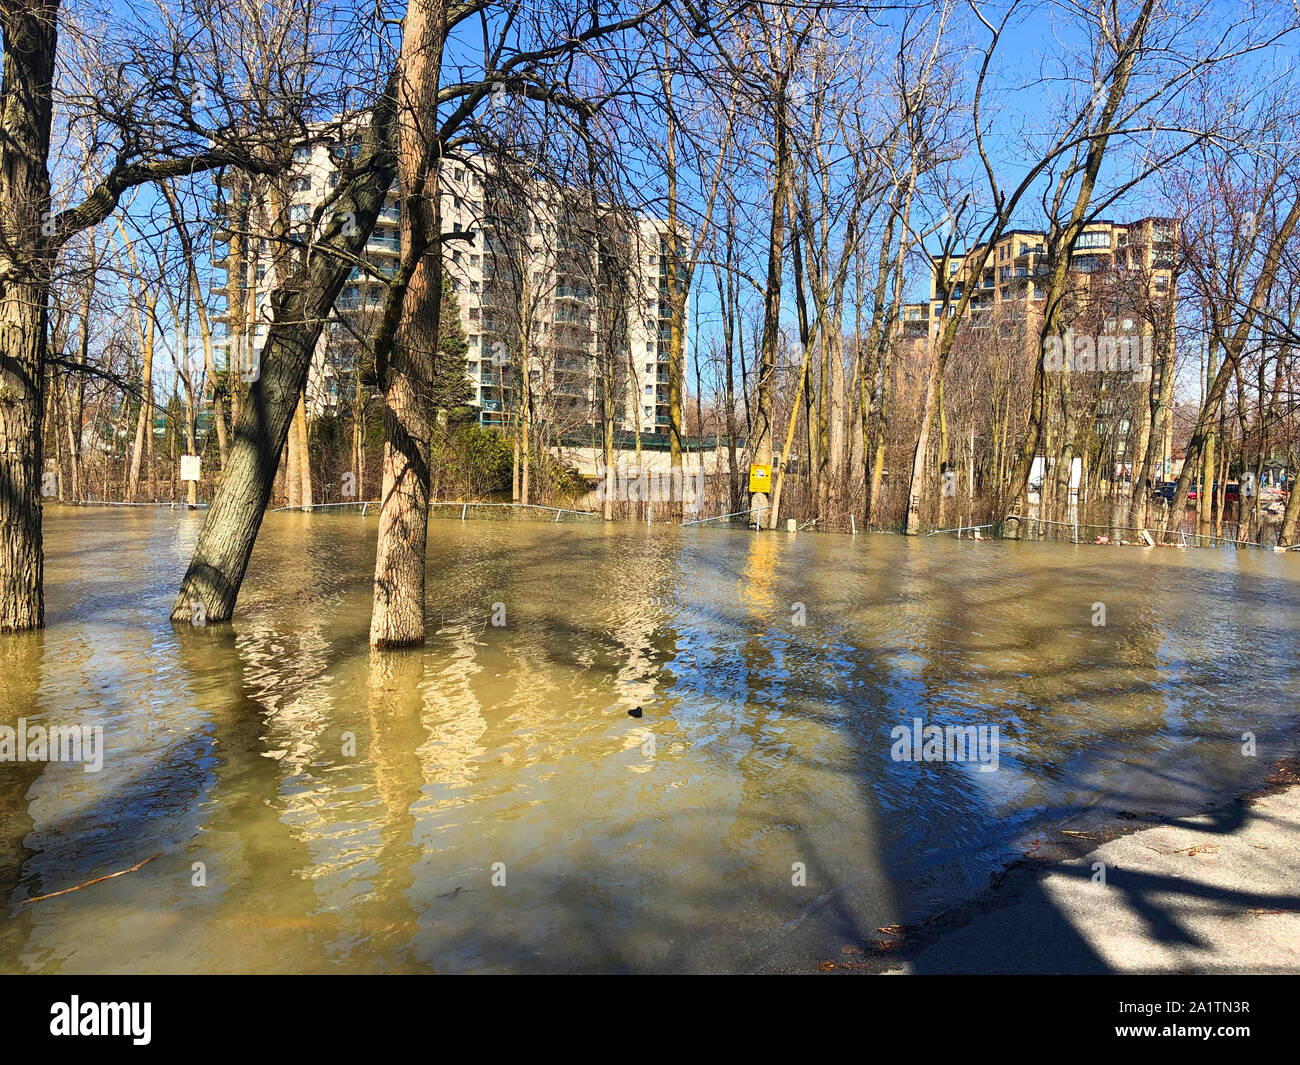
pixel 1014 526
pixel 171 504
pixel 464 510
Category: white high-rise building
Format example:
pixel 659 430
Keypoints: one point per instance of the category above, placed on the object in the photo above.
pixel 577 294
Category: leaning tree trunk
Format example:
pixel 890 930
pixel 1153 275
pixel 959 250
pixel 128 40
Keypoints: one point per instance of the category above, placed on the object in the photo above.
pixel 301 303
pixel 30 40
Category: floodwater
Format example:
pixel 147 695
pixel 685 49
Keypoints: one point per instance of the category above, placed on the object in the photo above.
pixel 488 804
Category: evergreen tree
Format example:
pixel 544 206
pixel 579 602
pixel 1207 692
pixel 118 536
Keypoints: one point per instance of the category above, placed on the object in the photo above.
pixel 451 391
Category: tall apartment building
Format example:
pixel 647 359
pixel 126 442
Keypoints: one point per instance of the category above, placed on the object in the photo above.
pixel 573 294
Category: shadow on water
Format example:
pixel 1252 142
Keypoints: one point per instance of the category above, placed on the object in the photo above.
pixel 486 802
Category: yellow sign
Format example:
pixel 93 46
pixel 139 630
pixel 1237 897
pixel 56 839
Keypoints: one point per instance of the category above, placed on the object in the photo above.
pixel 760 478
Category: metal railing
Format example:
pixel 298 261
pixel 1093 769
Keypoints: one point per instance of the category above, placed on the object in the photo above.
pixel 170 504
pixel 557 511
pixel 362 503
pixel 959 529
pixel 1082 533
pixel 723 517
pixel 464 506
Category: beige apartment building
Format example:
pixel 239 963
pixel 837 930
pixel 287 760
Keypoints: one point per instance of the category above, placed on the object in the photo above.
pixel 1121 279
pixel 1141 253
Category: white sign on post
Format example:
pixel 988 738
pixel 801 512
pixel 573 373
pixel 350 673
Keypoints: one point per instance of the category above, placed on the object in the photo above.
pixel 190 467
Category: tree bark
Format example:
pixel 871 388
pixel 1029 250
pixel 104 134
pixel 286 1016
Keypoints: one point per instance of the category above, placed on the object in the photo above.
pixel 30 40
pixel 397 616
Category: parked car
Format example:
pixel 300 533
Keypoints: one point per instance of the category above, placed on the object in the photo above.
pixel 1231 494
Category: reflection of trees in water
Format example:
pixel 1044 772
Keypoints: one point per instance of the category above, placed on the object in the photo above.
pixel 21 665
pixel 512 744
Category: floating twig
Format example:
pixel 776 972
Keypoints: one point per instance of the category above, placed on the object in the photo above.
pixel 120 872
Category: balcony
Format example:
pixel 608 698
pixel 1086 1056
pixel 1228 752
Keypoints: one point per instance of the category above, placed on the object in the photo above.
pixel 492 406
pixel 568 292
pixel 384 245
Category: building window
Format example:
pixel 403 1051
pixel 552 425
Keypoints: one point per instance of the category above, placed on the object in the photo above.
pixel 301 155
pixel 1097 239
pixel 302 184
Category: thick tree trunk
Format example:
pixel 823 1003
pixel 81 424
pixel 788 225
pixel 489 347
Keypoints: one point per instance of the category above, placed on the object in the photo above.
pixel 397 616
pixel 30 40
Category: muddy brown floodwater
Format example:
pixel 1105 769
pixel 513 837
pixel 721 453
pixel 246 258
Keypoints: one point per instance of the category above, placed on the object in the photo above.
pixel 487 803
